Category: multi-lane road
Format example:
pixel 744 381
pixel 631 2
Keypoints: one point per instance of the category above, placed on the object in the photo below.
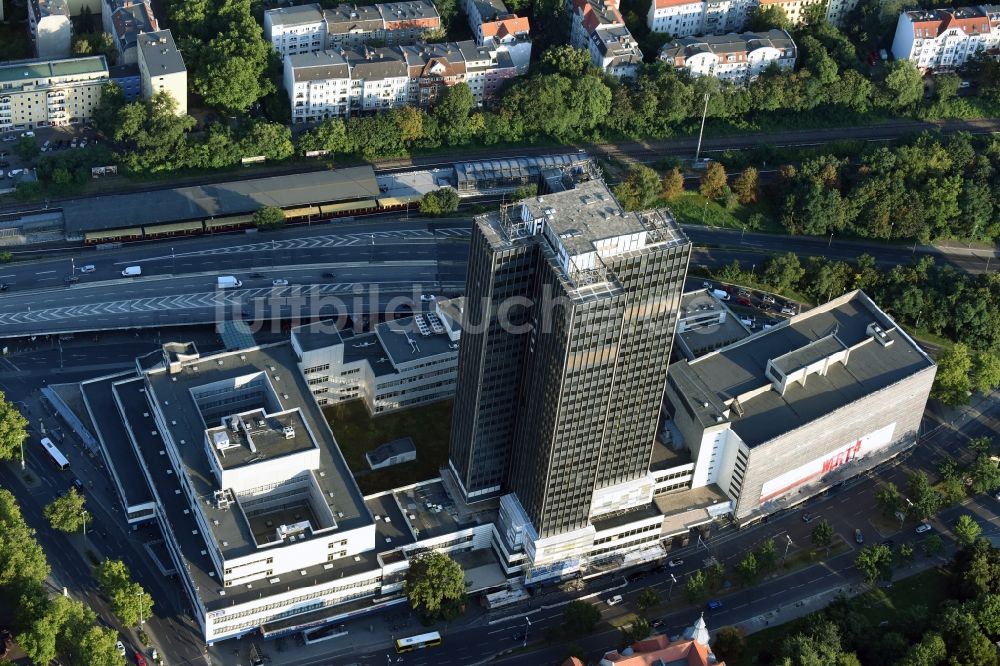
pixel 331 269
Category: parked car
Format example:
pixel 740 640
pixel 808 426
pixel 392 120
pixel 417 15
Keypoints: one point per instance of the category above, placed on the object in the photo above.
pixel 883 54
pixel 279 282
pixel 808 517
pixel 4 286
pixel 120 647
pixel 714 604
pixel 71 279
pixel 256 275
pixel 427 297
pixel 743 300
pixel 676 562
pixel 768 299
pixel 615 600
pixel 788 311
pixel 78 484
pixel 329 274
pixel 28 133
pixel 965 84
pixel 858 536
pixel 922 528
pixel 139 659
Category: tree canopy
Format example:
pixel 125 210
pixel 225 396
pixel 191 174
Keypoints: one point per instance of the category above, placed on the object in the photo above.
pixel 129 601
pixel 13 430
pixel 580 617
pixel 67 512
pixel 435 585
pixel 443 201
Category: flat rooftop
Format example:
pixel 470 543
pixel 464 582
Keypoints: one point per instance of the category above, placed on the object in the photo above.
pixel 218 199
pixel 160 53
pixel 430 512
pixel 99 397
pixel 739 368
pixel 411 339
pixel 706 324
pixel 277 366
pixel 45 69
pixel 259 437
pixel 317 335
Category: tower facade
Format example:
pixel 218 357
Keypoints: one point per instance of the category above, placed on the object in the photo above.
pixel 571 308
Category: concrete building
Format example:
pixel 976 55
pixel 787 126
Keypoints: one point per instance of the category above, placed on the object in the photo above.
pixel 130 80
pixel 561 422
pixel 392 453
pixel 598 28
pixel 51 30
pixel 263 524
pixel 942 40
pixel 337 83
pixel 495 27
pixel 56 92
pixel 125 20
pixel 738 59
pixel 162 68
pixel 684 18
pixel 297 29
pixel 310 28
pixel 784 413
pixel 402 363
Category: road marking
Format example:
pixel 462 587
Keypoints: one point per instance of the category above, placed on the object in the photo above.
pixel 44 272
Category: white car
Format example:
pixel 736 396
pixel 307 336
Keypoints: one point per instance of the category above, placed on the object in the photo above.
pixel 28 133
pixel 426 297
pixel 615 600
pixel 923 527
pixel 89 268
pixel 279 282
pixel 676 562
pixel 120 647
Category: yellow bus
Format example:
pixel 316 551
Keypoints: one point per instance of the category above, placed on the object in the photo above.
pixel 433 639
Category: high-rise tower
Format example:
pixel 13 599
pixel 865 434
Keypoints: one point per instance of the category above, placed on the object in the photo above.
pixel 570 314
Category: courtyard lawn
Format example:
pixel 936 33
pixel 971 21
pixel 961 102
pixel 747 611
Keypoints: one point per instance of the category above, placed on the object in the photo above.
pixel 357 433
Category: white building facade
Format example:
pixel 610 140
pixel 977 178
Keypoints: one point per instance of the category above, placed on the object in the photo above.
pixel 737 58
pixel 939 40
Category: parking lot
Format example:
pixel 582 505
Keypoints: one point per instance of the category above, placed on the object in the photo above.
pixel 49 139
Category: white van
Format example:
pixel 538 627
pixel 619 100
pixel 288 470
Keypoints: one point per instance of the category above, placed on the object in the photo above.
pixel 228 282
pixel 132 271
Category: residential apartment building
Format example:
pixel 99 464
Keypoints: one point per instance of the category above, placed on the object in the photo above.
pixel 331 84
pixel 598 28
pixel 310 28
pixel 162 68
pixel 737 58
pixel 684 18
pixel 56 92
pixel 403 363
pixel 493 26
pixel 125 20
pixel 51 30
pixel 944 39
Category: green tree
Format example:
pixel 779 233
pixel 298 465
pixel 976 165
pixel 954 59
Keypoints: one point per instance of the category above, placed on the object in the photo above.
pixel 566 60
pixel 673 184
pixel 713 181
pixel 648 598
pixel 452 113
pixel 715 575
pixel 730 644
pixel 748 569
pixel 905 552
pixel 67 512
pixel 434 584
pixel 874 562
pixel 767 555
pixel 640 189
pixel 129 601
pixel 985 371
pixel 330 135
pixel 745 186
pixel 985 474
pixel 22 562
pixel 524 192
pixel 272 140
pixel 822 535
pixel 580 618
pixel 966 530
pixel 933 545
pixel 766 17
pixel 26 148
pixel 637 630
pixel 953 381
pixel 889 500
pixel 783 271
pixel 930 651
pixel 13 430
pixel 439 202
pixel 946 86
pixel 903 85
pixel 695 587
pixel 269 217
pixel 925 500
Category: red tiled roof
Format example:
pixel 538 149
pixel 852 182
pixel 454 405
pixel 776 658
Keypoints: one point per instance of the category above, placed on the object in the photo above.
pixel 508 26
pixel 659 649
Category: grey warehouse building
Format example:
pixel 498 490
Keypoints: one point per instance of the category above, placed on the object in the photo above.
pixel 783 414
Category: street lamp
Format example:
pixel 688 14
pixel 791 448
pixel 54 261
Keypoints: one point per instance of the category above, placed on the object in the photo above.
pixel 83 515
pixel 22 454
pixel 526 629
pixel 138 594
pixel 787 546
pixel 673 579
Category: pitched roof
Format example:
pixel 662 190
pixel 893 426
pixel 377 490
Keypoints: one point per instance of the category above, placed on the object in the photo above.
pixel 730 44
pixel 512 25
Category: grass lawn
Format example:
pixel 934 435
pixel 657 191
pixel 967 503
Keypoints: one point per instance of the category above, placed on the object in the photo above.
pixel 691 208
pixel 928 588
pixel 357 433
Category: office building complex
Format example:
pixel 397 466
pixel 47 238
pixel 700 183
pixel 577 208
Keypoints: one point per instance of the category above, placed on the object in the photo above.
pixel 338 83
pixel 162 68
pixel 573 303
pixel 56 92
pixel 738 59
pixel 942 40
pixel 598 28
pixel 779 416
pixel 310 28
pixel 402 363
